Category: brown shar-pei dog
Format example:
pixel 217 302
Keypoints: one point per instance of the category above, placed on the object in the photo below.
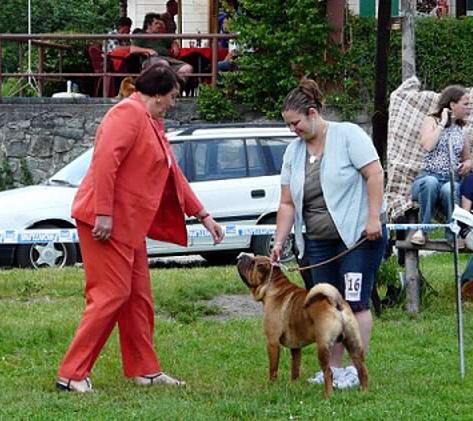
pixel 295 317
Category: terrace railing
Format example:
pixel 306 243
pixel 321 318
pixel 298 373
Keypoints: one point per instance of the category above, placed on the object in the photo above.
pixel 59 42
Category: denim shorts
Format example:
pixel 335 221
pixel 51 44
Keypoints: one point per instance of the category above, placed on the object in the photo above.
pixel 353 274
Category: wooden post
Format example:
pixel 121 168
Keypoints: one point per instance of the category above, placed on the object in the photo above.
pixel 408 39
pixel 1 65
pixel 20 66
pixel 41 70
pixel 123 7
pixel 335 17
pixel 380 116
pixel 408 10
pixel 412 281
pixel 179 20
pixel 214 61
pixel 213 16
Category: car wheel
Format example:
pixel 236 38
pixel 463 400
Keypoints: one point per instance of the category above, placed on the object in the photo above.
pixel 263 244
pixel 220 258
pixel 39 255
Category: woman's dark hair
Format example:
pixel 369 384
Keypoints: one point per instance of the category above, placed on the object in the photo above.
pixel 306 95
pixel 157 79
pixel 452 93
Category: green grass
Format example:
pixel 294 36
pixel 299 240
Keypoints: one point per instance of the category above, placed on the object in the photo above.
pixel 413 361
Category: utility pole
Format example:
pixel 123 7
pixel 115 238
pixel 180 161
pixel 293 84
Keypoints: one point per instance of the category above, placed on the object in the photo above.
pixel 380 116
pixel 411 259
pixel 408 38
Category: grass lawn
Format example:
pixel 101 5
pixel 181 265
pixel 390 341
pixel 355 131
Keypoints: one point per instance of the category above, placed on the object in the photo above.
pixel 413 361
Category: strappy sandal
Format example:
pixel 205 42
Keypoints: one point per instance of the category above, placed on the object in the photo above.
pixel 160 378
pixel 69 385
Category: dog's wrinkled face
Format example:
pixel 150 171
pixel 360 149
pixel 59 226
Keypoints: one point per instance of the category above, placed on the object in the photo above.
pixel 254 271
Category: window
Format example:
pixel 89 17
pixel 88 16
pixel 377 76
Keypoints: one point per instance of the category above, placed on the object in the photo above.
pixel 74 172
pixel 178 149
pixel 218 159
pixel 274 149
pixel 256 166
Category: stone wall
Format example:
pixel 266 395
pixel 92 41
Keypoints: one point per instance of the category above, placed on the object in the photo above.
pixel 47 133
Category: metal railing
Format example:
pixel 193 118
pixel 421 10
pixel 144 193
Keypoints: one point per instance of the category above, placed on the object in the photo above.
pixel 43 41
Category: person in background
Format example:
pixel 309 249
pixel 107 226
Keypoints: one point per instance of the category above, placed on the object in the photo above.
pixel 223 29
pixel 431 188
pixel 172 9
pixel 332 183
pixel 166 49
pixel 123 27
pixel 228 63
pixel 442 8
pixel 133 189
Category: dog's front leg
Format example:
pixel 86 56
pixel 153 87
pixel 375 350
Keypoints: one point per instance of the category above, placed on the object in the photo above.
pixel 296 363
pixel 273 355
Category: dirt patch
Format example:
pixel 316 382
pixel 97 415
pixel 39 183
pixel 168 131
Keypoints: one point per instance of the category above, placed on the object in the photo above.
pixel 235 307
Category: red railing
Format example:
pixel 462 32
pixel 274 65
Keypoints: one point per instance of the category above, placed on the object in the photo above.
pixel 43 41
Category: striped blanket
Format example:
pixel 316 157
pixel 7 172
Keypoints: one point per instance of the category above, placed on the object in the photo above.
pixel 407 110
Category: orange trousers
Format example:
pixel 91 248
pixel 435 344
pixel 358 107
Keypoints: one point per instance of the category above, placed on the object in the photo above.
pixel 118 290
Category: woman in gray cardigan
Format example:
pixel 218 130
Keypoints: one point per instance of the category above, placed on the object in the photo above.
pixel 332 184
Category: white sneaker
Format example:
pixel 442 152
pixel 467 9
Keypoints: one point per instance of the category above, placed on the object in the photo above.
pixel 159 378
pixel 69 385
pixel 318 378
pixel 348 379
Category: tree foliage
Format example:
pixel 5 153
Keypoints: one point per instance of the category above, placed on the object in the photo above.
pixel 279 42
pixel 55 16
pixel 283 41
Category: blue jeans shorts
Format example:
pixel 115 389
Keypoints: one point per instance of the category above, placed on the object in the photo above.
pixel 354 274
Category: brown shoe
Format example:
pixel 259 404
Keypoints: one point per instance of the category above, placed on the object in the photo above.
pixel 69 385
pixel 418 238
pixel 159 378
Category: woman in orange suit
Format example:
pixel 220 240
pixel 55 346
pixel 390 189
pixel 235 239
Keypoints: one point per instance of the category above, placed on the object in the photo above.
pixel 133 189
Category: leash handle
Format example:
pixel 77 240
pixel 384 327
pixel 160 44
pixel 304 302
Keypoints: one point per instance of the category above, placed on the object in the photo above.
pixel 325 262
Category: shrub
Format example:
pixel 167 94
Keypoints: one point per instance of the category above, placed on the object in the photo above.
pixel 213 106
pixel 7 180
pixel 26 178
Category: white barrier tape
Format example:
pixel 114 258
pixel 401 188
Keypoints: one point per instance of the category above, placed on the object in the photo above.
pixel 424 227
pixel 35 236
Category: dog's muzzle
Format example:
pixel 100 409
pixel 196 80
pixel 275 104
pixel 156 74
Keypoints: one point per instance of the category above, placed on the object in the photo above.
pixel 243 264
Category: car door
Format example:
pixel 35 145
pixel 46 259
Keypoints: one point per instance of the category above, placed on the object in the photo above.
pixel 230 177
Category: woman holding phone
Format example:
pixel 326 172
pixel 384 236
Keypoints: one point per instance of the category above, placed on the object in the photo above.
pixel 431 188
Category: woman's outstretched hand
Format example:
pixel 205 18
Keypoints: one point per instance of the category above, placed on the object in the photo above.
pixel 215 229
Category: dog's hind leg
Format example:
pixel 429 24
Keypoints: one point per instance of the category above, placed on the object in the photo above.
pixel 273 355
pixel 355 348
pixel 324 353
pixel 295 363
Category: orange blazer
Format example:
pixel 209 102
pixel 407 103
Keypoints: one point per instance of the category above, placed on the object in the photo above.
pixel 134 177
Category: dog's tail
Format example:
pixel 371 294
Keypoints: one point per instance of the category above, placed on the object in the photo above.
pixel 327 291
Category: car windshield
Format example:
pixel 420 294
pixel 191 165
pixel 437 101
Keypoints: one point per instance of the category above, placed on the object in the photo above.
pixel 73 173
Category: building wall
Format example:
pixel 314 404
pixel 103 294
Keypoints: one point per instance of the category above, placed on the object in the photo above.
pixel 370 7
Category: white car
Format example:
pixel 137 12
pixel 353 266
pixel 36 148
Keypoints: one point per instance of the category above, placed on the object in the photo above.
pixel 233 169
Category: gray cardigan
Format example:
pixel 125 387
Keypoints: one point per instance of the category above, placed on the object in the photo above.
pixel 347 149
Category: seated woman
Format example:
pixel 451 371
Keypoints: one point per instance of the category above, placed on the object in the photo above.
pixel 432 186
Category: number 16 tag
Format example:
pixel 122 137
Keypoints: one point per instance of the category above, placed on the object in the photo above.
pixel 353 282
